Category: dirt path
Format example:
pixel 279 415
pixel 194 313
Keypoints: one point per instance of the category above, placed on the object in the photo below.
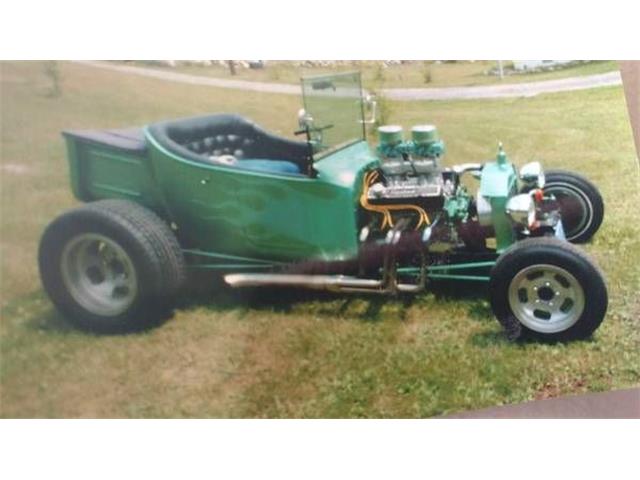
pixel 402 94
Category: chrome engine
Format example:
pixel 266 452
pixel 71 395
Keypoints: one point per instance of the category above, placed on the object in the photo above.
pixel 411 186
pixel 410 191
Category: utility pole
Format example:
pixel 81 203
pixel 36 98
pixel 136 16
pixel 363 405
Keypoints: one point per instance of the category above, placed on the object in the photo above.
pixel 500 70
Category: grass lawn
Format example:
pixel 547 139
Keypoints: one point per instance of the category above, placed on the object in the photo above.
pixel 292 353
pixel 408 75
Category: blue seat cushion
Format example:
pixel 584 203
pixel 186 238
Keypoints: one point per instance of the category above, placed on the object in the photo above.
pixel 273 166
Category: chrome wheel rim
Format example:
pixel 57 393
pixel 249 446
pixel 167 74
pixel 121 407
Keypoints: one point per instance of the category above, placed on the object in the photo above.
pixel 575 208
pixel 99 274
pixel 546 298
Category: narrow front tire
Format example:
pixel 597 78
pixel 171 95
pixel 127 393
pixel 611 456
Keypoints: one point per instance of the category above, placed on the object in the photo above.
pixel 580 203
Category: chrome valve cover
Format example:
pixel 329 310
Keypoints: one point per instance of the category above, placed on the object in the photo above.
pixel 408 187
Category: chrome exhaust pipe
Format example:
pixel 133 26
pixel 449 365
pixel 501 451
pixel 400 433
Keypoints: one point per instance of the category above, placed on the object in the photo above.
pixel 315 282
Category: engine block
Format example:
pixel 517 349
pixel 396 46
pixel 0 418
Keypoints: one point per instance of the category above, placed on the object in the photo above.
pixel 411 168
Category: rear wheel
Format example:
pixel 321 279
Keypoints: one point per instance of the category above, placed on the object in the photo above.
pixel 580 202
pixel 111 266
pixel 548 289
pixel 99 274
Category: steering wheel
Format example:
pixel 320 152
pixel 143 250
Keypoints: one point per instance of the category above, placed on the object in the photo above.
pixel 315 143
pixel 307 130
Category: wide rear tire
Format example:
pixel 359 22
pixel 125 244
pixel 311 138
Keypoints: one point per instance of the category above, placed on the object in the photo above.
pixel 547 289
pixel 111 266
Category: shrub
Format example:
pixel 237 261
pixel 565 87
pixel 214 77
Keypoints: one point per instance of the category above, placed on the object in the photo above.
pixel 379 73
pixel 426 73
pixel 52 72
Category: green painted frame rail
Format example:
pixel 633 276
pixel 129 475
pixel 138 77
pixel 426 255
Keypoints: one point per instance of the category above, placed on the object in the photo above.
pixel 454 266
pixel 239 263
pixel 251 263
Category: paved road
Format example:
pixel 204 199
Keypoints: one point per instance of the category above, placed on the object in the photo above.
pixel 529 89
pixel 197 79
pixel 614 404
pixel 403 94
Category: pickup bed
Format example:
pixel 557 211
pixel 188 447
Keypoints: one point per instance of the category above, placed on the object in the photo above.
pixel 111 164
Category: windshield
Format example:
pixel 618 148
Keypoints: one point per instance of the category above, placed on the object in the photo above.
pixel 334 102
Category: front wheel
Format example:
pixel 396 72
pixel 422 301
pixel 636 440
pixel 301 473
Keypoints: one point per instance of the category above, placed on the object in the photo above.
pixel 547 289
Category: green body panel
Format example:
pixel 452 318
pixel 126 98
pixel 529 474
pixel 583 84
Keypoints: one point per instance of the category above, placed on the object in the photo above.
pixel 499 182
pixel 502 225
pixel 99 171
pixel 252 214
pixel 262 215
pixel 73 158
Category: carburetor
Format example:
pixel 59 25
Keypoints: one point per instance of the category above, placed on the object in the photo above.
pixel 411 168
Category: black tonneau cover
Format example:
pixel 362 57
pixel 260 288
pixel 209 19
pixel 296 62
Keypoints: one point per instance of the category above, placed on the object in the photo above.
pixel 128 139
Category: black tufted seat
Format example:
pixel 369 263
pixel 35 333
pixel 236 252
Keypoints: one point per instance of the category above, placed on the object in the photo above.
pixel 204 138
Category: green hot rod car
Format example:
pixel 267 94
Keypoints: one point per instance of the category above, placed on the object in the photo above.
pixel 219 193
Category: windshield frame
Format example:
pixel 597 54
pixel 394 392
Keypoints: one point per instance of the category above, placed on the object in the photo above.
pixel 319 155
